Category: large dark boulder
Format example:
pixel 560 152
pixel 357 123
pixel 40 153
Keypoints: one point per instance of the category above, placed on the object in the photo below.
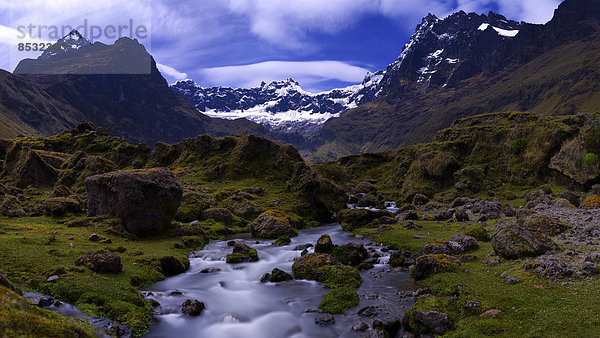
pixel 146 200
pixel 101 261
pixel 515 241
pixel 272 224
pixel 171 266
pixel 351 219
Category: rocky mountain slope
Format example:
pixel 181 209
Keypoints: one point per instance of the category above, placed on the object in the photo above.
pixel 468 64
pixel 280 106
pixel 117 86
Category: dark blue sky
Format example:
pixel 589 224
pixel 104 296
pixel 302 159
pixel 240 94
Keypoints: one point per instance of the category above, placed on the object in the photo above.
pixel 321 44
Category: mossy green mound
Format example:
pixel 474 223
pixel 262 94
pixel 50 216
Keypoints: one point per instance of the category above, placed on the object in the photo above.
pixel 336 276
pixel 282 240
pixel 306 266
pixel 339 301
pixel 478 232
pixel 19 318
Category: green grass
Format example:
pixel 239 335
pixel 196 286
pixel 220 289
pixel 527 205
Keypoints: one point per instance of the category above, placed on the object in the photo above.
pixel 20 318
pixel 532 308
pixel 31 252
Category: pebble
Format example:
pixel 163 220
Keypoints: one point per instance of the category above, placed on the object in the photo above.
pixel 493 313
pixel 512 280
pixel 360 326
pixel 52 279
pixel 324 319
pixel 368 311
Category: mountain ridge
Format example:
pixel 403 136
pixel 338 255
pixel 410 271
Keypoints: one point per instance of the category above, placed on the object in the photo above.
pixel 119 87
pixel 280 106
pixel 550 69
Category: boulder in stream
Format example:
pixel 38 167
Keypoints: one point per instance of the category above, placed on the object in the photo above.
pixel 273 224
pixel 192 307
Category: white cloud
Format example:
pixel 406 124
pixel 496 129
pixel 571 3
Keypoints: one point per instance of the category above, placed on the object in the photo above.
pixel 171 72
pixel 534 11
pixel 287 22
pixel 307 73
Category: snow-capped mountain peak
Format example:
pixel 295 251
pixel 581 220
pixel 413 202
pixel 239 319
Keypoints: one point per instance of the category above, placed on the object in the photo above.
pixel 70 42
pixel 439 47
pixel 281 106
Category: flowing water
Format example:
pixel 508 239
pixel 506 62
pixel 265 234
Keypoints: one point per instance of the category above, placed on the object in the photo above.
pixel 239 305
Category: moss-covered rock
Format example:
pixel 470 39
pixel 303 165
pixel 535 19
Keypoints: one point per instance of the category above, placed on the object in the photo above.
pixel 192 206
pixel 592 202
pixel 305 267
pixel 274 223
pixel 515 242
pixel 101 261
pixel 282 240
pixel 351 219
pixel 242 253
pixel 335 276
pixel 146 200
pixel 219 215
pixel 401 258
pixel 546 225
pixel 11 207
pixel 430 264
pixel 324 244
pixel 171 266
pixel 478 232
pixel 339 301
pixel 58 206
pixel 192 307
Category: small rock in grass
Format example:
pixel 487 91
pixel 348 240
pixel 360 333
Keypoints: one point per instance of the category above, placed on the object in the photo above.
pixel 52 279
pixel 422 292
pixel 493 313
pixel 512 280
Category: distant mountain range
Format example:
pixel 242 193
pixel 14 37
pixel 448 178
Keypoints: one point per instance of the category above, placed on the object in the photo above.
pixel 280 106
pixel 459 66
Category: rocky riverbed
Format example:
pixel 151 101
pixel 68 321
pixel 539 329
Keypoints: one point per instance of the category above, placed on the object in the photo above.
pixel 238 304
